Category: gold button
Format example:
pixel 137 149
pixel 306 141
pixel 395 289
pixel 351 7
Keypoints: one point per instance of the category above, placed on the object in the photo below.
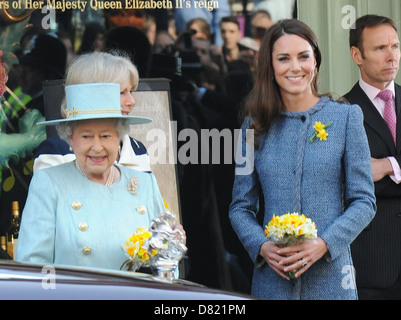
pixel 83 226
pixel 76 205
pixel 86 250
pixel 141 209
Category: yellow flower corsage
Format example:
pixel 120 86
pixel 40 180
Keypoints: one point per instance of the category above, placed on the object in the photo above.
pixel 320 131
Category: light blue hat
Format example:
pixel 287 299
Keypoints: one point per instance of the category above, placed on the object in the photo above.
pixel 94 101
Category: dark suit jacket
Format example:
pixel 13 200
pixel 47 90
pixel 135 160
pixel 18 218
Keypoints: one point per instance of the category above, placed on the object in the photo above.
pixel 377 250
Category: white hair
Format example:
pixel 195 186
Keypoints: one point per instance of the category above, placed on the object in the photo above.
pixel 66 129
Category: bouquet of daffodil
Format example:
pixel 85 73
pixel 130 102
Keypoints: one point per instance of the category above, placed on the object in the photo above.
pixel 136 249
pixel 290 229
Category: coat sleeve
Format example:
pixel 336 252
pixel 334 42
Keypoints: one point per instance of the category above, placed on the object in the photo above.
pixel 36 239
pixel 359 198
pixel 245 196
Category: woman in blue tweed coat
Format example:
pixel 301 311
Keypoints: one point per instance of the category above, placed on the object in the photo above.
pixel 328 179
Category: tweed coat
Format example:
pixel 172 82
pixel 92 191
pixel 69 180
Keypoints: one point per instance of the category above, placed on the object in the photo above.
pixel 329 181
pixel 70 220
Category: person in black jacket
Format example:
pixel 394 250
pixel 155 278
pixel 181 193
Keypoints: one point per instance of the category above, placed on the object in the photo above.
pixel 375 48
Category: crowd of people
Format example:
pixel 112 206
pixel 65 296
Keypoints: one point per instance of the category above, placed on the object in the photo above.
pixel 263 77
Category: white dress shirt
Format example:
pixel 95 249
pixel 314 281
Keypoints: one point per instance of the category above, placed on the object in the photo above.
pixel 372 93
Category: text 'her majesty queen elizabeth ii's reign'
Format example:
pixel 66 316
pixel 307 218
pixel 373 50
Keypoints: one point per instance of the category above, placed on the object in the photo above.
pixel 113 4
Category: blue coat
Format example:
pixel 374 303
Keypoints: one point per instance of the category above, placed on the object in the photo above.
pixel 329 181
pixel 70 220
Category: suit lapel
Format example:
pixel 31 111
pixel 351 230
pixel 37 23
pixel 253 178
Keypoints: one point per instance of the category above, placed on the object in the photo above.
pixel 373 118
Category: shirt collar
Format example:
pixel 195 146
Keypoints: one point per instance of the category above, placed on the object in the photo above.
pixel 372 91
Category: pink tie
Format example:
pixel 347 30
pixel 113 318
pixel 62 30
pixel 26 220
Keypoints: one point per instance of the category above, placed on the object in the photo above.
pixel 389 111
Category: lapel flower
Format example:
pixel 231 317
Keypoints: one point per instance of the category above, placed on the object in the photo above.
pixel 320 131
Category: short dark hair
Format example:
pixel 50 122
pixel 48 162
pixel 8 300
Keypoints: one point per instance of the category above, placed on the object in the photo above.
pixel 231 19
pixel 367 21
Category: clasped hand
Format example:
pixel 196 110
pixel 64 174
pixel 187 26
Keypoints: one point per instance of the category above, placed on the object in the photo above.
pixel 297 258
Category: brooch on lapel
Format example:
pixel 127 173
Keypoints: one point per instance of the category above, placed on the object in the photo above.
pixel 141 209
pixel 320 131
pixel 133 185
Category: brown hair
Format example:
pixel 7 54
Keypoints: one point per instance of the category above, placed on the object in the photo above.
pixel 203 26
pixel 264 102
pixel 366 21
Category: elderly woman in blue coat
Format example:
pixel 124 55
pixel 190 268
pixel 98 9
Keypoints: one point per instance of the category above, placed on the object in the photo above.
pixel 99 67
pixel 327 178
pixel 81 212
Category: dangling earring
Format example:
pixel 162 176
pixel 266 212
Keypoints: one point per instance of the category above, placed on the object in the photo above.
pixel 70 148
pixel 119 153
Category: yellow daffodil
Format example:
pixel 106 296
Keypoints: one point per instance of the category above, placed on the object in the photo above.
pixel 136 248
pixel 165 204
pixel 131 251
pixel 322 135
pixel 290 229
pixel 290 226
pixel 320 131
pixel 318 126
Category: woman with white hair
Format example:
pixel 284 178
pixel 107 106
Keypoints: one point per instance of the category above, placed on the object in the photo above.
pixel 100 67
pixel 81 212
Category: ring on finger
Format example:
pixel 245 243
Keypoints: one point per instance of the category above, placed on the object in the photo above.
pixel 304 263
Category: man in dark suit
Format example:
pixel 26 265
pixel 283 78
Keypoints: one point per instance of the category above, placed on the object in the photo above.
pixel 375 48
